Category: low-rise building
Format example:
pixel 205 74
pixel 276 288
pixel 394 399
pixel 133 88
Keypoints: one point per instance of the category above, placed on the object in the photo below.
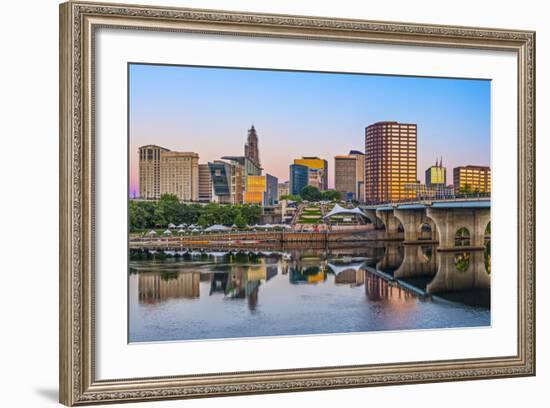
pixel 283 189
pixel 472 179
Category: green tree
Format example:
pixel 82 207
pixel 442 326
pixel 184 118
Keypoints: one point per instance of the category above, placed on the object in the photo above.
pixel 190 213
pixel 140 215
pixel 291 197
pixel 240 221
pixel 229 214
pixel 205 220
pixel 331 195
pixel 251 213
pixel 311 193
pixel 168 210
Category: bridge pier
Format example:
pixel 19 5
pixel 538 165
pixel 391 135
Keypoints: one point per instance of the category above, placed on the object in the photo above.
pixel 390 222
pixel 412 221
pixel 448 222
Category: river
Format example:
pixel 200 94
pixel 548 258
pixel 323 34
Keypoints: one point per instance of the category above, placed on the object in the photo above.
pixel 214 294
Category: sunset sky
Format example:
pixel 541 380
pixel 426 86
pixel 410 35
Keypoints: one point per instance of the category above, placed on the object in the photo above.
pixel 208 111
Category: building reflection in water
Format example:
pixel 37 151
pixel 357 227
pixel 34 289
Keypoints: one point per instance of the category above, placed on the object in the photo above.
pixel 244 282
pixel 245 293
pixel 240 276
pixel 239 281
pixel 379 290
pixel 306 267
pixel 154 288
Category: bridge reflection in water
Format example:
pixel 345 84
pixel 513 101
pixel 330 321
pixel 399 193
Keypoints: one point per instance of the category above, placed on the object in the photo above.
pixel 206 293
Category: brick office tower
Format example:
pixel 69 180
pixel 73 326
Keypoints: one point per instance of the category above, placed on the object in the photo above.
pixel 390 161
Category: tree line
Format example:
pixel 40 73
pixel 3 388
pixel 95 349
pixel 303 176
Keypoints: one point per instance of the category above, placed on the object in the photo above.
pixel 168 210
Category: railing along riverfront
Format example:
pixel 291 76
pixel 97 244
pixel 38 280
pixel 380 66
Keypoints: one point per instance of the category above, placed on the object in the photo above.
pixel 429 200
pixel 254 236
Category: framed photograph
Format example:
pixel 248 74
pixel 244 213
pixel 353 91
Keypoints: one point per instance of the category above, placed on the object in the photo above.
pixel 256 203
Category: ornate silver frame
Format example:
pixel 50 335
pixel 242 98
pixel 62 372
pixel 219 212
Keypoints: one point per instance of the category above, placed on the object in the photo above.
pixel 78 21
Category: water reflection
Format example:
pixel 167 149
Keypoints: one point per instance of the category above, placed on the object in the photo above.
pixel 200 293
pixel 379 290
pixel 160 287
pixel 462 261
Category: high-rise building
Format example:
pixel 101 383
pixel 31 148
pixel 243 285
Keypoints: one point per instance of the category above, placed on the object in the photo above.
pixel 272 190
pixel 179 175
pixel 299 176
pixel 319 164
pixel 283 190
pixel 345 176
pixel 251 150
pixel 238 180
pixel 360 162
pixel 205 183
pixel 220 172
pixel 472 179
pixel 436 175
pixel 149 171
pixel 390 161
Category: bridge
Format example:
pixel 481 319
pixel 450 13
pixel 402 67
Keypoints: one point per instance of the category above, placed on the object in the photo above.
pixel 437 221
pixel 455 228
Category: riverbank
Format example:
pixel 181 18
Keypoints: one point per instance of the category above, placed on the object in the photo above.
pixel 254 238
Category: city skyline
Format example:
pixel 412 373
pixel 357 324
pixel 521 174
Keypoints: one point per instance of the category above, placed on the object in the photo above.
pixel 458 130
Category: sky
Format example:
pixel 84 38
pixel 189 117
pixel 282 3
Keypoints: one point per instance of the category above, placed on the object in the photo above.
pixel 209 111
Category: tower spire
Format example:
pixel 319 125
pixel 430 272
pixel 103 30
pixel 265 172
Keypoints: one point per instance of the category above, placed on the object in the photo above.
pixel 251 150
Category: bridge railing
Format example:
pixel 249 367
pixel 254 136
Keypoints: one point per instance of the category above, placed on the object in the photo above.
pixel 446 198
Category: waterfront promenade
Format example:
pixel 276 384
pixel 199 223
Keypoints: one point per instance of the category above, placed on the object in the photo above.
pixel 350 234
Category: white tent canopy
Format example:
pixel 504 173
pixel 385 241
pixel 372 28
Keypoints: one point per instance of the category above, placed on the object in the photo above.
pixel 338 210
pixel 217 227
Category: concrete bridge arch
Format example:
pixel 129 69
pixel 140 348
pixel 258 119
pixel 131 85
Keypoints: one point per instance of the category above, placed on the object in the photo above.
pixel 475 220
pixel 394 227
pixel 413 218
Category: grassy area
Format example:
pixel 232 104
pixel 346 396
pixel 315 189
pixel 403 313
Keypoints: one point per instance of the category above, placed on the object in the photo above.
pixel 310 221
pixel 317 213
pixel 311 214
